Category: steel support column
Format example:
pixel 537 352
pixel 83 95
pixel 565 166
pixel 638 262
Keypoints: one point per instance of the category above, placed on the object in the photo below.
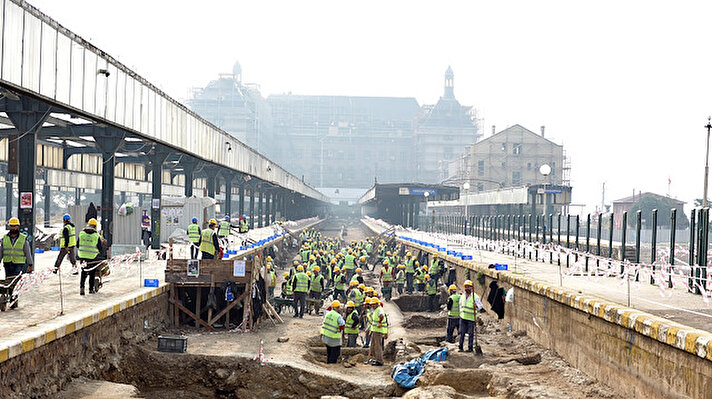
pixel 259 206
pixel 189 166
pixel 241 196
pixel 157 156
pixel 8 197
pixel 108 141
pixel 229 177
pixel 46 194
pixel 27 115
pixel 252 206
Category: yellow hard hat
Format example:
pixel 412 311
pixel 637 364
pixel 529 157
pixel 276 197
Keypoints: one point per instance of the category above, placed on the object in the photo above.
pixel 425 267
pixel 385 262
pixel 408 254
pixel 269 259
pixel 453 287
pixel 312 258
pixel 362 259
pixel 401 266
pixel 300 268
pixel 336 304
pixel 362 286
pixel 309 274
pixel 295 263
pixel 333 261
pixel 350 304
pixel 353 283
pixel 336 270
pixel 468 283
pixel 14 222
pixel 213 221
pixel 435 255
pixel 286 274
pixel 417 263
pixel 91 222
pixel 317 268
pixel 427 276
pixel 388 253
pixel 359 270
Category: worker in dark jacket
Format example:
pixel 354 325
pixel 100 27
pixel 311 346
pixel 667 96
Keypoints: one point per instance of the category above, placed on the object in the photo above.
pixel 67 244
pixel 15 253
pixel 208 244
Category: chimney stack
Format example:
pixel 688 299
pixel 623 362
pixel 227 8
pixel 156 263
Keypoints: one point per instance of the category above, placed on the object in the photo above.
pixel 493 130
pixel 542 130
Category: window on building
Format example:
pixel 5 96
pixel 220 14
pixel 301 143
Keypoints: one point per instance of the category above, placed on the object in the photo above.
pixel 529 166
pixel 480 187
pixel 504 164
pixel 504 147
pixel 516 148
pixel 516 178
pixel 480 168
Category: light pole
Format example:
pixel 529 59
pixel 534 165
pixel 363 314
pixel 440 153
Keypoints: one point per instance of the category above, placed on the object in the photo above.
pixel 707 160
pixel 466 187
pixel 545 170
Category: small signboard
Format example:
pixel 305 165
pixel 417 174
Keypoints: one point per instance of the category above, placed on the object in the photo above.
pixel 238 268
pixel 26 200
pixel 193 268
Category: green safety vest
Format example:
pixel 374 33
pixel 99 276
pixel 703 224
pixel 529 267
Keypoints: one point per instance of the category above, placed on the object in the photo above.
pixel 356 296
pixel 87 245
pixel 400 277
pixel 305 255
pixel 194 233
pixel 354 277
pixel 374 321
pixel 273 278
pixel 330 327
pixel 288 286
pixel 409 266
pixel 315 283
pixel 387 275
pixel 369 247
pixel 455 309
pixel 349 261
pixel 418 278
pixel 467 307
pixel 339 283
pixel 14 253
pixel 72 236
pixel 302 282
pixel 244 226
pixel 206 241
pixel 431 288
pixel 350 319
pixel 224 228
pixel 435 266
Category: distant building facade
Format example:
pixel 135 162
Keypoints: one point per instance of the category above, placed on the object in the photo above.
pixel 343 141
pixel 510 158
pixel 237 108
pixel 625 204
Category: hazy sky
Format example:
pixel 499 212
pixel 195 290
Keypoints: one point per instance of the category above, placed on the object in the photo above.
pixel 625 86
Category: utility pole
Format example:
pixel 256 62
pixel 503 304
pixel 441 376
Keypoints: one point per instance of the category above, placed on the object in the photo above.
pixel 603 198
pixel 707 160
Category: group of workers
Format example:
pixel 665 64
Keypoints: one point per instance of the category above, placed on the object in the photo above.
pixel 211 242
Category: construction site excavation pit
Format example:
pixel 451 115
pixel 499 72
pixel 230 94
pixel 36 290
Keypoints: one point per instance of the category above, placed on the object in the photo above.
pixel 227 363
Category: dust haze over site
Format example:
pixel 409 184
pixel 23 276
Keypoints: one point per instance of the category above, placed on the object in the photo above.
pixel 624 86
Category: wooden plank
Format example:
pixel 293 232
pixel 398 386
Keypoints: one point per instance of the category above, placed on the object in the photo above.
pixel 274 312
pixel 192 315
pixel 212 286
pixel 227 308
pixel 197 302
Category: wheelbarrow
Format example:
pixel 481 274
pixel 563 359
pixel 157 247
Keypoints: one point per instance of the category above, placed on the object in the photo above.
pixel 6 288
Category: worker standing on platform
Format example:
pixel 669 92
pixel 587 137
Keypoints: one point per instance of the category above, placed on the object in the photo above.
pixel 453 313
pixel 419 279
pixel 349 264
pixel 194 238
pixel 436 267
pixel 67 243
pixel 208 244
pixel 358 276
pixel 244 225
pixel 224 227
pixel 468 316
pixel 300 287
pixel 387 277
pixel 409 272
pixel 90 246
pixel 286 286
pixel 400 278
pixel 316 287
pixel 331 330
pixel 15 253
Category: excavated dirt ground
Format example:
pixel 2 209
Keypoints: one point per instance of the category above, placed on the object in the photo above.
pixel 222 365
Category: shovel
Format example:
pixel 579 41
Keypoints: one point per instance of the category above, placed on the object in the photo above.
pixel 478 348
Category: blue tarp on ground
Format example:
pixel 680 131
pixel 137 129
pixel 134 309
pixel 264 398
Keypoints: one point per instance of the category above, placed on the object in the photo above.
pixel 407 374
